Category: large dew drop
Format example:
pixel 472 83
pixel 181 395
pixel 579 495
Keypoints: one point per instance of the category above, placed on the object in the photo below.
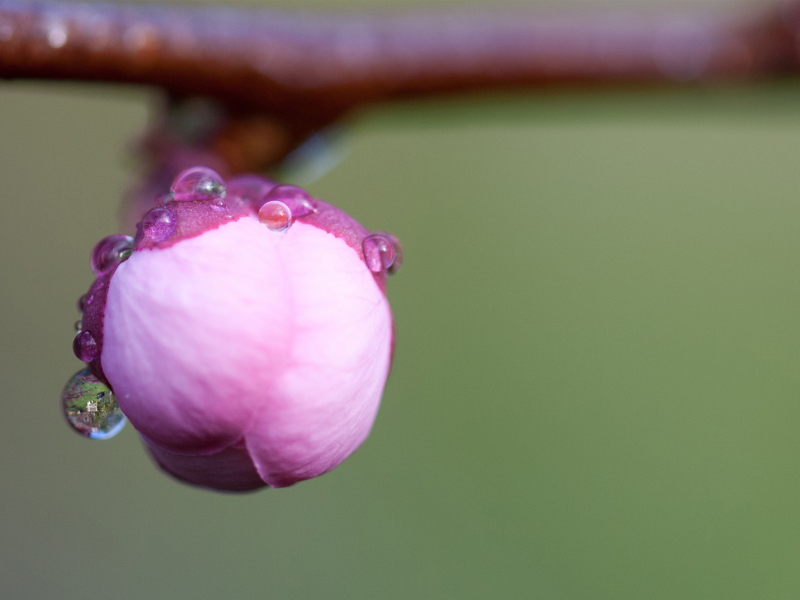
pixel 90 407
pixel 110 251
pixel 198 183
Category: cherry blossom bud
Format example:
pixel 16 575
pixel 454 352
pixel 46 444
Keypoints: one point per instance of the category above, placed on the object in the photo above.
pixel 243 353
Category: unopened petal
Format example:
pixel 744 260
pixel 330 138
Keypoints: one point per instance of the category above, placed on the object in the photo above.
pixel 325 401
pixel 247 343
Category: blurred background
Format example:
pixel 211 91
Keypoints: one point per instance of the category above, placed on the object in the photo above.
pixel 595 392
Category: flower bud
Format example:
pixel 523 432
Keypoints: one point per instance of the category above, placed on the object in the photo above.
pixel 245 351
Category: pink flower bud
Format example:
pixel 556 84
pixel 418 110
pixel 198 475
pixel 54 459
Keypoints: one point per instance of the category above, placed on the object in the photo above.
pixel 245 355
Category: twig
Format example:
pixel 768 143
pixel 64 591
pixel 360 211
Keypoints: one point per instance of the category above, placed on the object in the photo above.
pixel 281 75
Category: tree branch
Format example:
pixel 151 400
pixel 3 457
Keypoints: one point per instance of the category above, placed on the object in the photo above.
pixel 311 67
pixel 277 76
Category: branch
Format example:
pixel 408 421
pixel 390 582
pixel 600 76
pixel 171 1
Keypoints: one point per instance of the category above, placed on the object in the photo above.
pixel 312 67
pixel 278 76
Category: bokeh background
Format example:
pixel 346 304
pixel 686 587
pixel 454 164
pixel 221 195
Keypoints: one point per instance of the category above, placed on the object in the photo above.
pixel 597 378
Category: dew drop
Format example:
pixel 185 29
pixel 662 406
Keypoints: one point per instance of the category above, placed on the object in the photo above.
pixel 198 183
pixel 297 199
pixel 159 224
pixel 82 301
pixel 78 325
pixel 275 215
pixel 378 253
pixel 90 407
pixel 110 251
pixel 218 204
pixel 57 35
pixel 85 347
pixel 246 189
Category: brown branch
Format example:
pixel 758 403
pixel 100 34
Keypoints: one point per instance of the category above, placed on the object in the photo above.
pixel 311 67
pixel 280 75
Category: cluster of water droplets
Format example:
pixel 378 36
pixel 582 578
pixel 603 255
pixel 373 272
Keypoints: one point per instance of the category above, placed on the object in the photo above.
pixel 107 254
pixel 284 203
pixel 191 185
pixel 277 208
pixel 88 404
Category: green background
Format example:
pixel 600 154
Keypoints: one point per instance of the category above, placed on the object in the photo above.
pixel 595 392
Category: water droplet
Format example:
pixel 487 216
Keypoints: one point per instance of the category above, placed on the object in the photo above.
pixel 198 183
pixel 82 302
pixel 245 189
pixel 110 251
pixel 159 224
pixel 378 252
pixel 218 204
pixel 275 215
pixel 57 35
pixel 78 325
pixel 85 347
pixel 297 199
pixel 90 407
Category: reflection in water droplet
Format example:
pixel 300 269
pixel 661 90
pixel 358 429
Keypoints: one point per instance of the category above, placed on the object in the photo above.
pixel 198 183
pixel 85 347
pixel 159 224
pixel 378 253
pixel 79 325
pixel 275 215
pixel 109 251
pixel 297 199
pixel 90 407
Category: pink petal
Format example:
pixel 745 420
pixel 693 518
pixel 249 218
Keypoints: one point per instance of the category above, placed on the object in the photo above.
pixel 274 346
